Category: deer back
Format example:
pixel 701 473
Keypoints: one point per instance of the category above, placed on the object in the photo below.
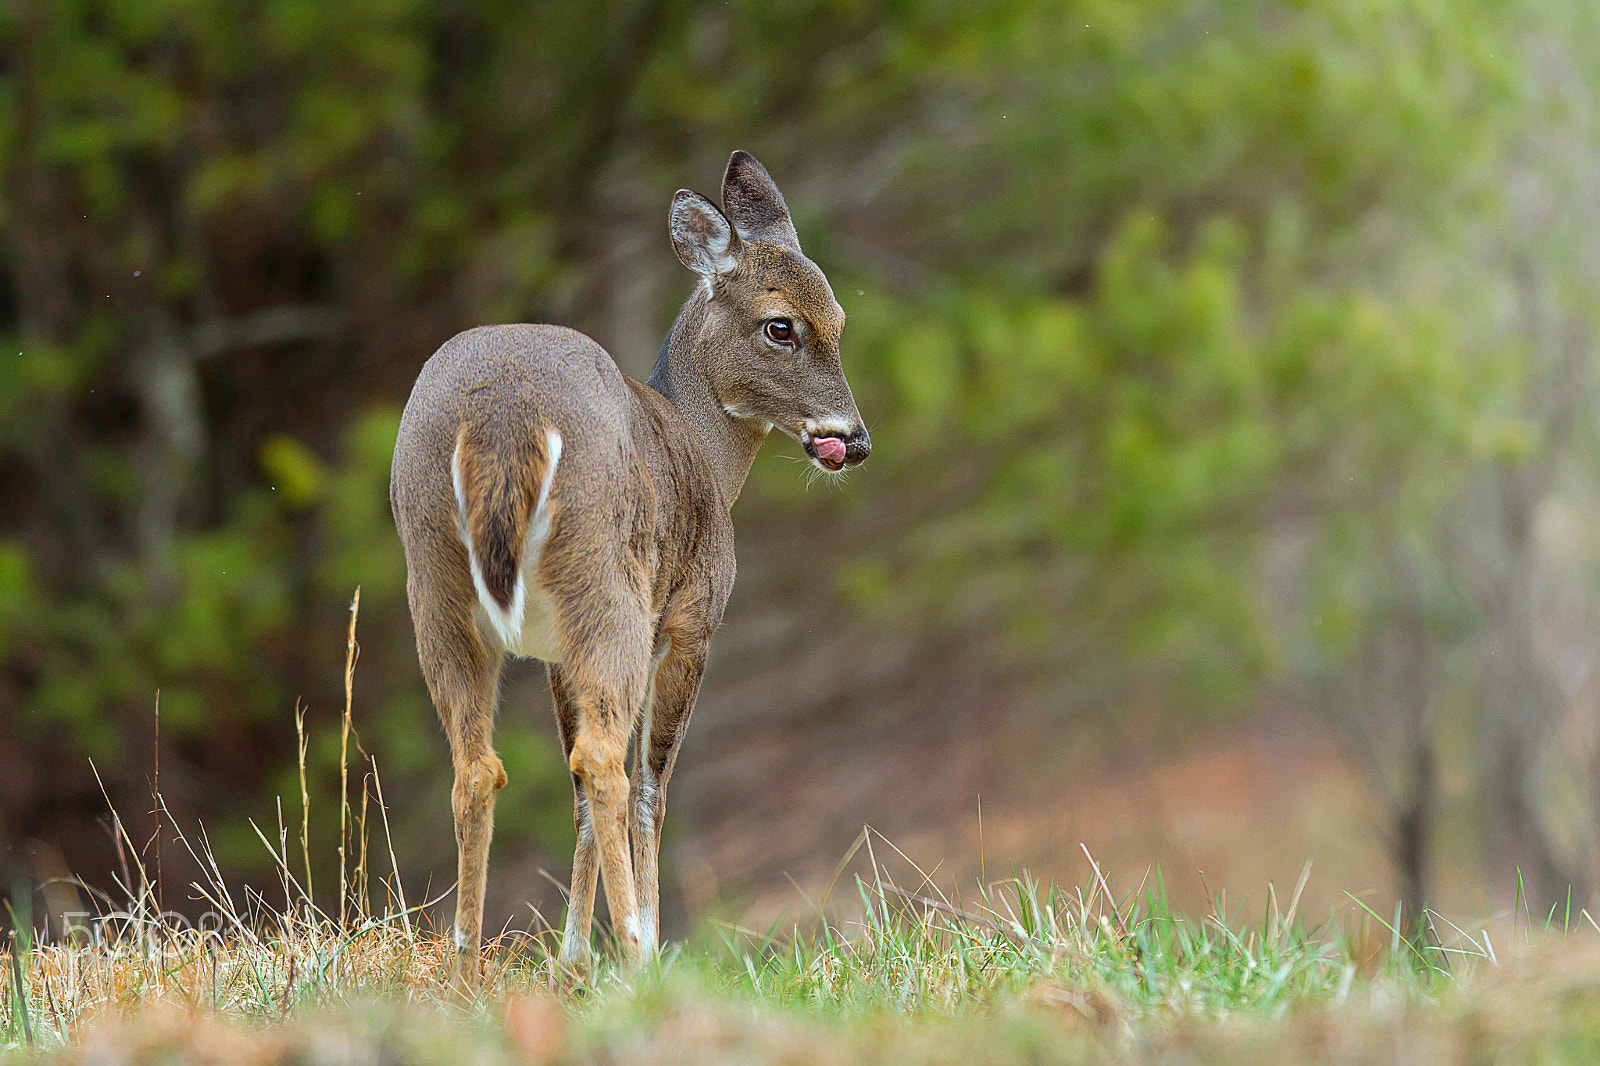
pixel 527 465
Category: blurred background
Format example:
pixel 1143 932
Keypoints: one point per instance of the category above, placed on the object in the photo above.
pixel 1231 368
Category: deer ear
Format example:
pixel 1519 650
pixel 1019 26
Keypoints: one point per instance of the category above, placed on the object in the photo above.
pixel 702 235
pixel 754 204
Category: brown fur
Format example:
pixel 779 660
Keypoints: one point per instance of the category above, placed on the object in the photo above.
pixel 638 563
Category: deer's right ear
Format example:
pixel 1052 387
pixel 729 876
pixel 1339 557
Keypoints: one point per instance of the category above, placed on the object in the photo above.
pixel 703 237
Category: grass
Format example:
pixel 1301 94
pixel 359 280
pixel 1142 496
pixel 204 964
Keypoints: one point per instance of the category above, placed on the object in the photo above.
pixel 1020 973
pixel 893 971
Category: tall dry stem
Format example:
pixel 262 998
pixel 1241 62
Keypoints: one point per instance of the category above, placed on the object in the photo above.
pixel 344 749
pixel 305 798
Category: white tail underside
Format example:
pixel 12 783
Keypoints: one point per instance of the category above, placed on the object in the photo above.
pixel 527 626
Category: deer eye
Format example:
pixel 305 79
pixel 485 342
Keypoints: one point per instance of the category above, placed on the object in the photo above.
pixel 779 331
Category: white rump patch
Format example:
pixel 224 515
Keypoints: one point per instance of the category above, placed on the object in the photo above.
pixel 527 626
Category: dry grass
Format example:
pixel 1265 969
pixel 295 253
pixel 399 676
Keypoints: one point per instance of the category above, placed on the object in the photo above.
pixel 1020 973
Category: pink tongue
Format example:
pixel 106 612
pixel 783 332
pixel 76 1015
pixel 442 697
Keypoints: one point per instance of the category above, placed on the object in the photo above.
pixel 829 449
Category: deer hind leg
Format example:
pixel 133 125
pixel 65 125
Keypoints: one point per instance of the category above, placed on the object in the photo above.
pixel 463 675
pixel 576 955
pixel 605 673
pixel 674 683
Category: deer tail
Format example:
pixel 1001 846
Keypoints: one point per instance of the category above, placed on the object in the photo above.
pixel 502 485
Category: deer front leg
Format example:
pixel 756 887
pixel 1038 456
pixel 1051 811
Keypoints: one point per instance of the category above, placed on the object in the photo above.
pixel 675 685
pixel 576 955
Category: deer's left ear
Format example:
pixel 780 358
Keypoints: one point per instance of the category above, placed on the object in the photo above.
pixel 702 235
pixel 754 204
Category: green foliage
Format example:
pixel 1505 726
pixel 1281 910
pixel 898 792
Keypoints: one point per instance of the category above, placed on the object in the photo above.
pixel 363 549
pixel 1122 455
pixel 1170 320
pixel 18 590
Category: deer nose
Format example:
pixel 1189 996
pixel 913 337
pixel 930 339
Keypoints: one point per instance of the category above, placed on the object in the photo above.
pixel 857 446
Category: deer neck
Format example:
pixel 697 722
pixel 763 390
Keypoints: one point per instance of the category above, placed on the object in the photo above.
pixel 728 443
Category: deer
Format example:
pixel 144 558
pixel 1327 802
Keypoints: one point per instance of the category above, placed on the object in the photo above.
pixel 550 507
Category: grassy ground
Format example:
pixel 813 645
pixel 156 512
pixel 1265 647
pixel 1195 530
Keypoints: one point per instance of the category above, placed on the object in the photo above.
pixel 886 970
pixel 1020 973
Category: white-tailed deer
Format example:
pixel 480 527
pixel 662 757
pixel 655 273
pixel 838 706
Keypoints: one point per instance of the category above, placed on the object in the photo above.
pixel 551 507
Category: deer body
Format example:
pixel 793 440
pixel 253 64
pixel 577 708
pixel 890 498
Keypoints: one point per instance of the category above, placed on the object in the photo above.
pixel 551 507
